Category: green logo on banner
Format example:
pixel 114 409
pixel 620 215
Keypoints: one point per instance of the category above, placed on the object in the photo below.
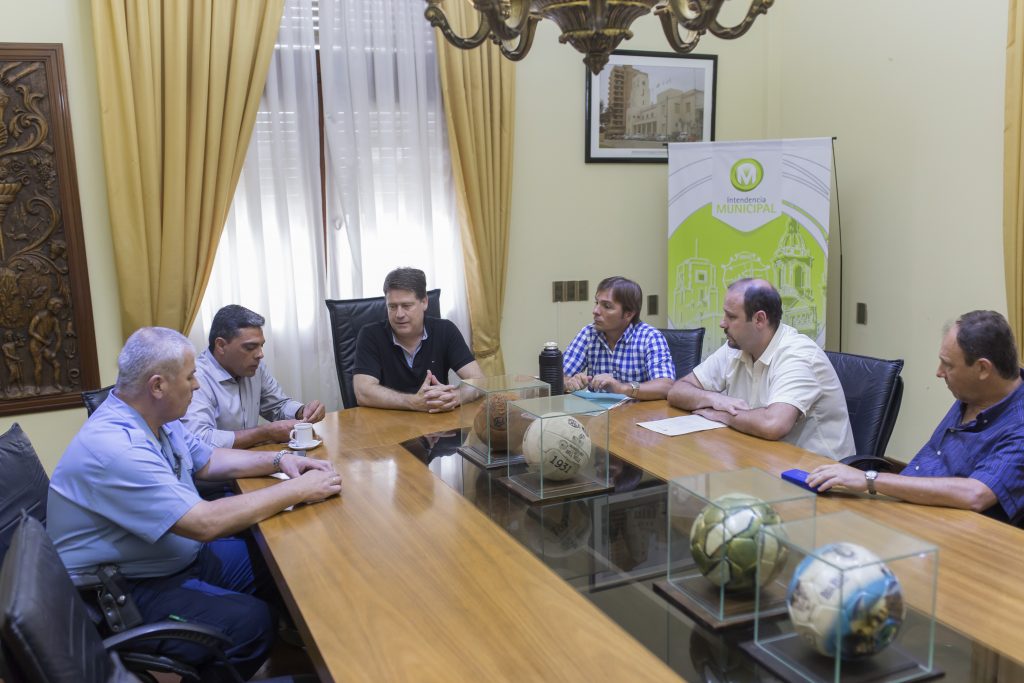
pixel 746 174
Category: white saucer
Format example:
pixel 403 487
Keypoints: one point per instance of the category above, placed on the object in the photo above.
pixel 296 446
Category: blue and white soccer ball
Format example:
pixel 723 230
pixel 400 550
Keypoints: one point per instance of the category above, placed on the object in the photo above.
pixel 723 542
pixel 847 600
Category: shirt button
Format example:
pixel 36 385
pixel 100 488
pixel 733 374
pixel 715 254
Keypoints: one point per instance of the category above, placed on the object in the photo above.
pixel 917 467
pixel 938 452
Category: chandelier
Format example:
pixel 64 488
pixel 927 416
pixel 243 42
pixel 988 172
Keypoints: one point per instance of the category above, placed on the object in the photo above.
pixel 594 27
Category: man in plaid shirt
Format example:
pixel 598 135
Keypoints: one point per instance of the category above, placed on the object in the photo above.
pixel 617 352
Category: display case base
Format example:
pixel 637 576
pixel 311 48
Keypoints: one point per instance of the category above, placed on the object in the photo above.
pixel 701 594
pixel 790 657
pixel 526 485
pixel 489 463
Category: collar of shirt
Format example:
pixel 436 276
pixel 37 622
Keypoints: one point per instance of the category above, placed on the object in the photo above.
pixel 216 369
pixel 409 357
pixel 161 440
pixel 769 352
pixel 991 413
pixel 627 334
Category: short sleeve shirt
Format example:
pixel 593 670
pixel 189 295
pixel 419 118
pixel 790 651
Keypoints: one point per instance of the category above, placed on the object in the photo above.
pixel 117 491
pixel 989 448
pixel 378 356
pixel 224 404
pixel 793 370
pixel 641 354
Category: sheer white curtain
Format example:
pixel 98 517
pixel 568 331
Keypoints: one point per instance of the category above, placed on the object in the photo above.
pixel 271 255
pixel 390 200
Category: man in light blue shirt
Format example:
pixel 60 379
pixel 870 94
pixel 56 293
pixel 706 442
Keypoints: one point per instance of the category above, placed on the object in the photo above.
pixel 123 493
pixel 236 388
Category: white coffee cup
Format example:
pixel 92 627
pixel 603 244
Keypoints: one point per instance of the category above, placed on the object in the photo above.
pixel 302 434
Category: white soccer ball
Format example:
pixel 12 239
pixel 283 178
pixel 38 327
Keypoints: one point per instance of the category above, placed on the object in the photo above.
pixel 847 598
pixel 559 444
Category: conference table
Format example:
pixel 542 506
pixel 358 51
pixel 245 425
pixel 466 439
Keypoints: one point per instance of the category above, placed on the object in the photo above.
pixel 424 570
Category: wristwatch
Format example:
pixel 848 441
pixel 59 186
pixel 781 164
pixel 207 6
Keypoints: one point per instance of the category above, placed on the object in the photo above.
pixel 870 476
pixel 634 389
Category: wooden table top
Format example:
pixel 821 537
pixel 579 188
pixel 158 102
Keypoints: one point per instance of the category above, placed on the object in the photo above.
pixel 403 578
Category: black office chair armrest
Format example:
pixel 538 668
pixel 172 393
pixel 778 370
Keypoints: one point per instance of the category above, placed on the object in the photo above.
pixel 214 640
pixel 208 636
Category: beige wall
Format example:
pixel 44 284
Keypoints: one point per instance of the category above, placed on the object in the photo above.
pixel 69 22
pixel 919 160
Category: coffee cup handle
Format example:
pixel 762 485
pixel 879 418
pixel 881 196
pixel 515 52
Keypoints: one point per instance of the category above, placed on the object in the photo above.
pixel 291 435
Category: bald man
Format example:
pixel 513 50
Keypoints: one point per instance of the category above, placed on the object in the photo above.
pixel 768 380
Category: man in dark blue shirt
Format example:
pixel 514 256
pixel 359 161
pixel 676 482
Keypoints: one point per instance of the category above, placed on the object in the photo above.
pixel 975 458
pixel 403 362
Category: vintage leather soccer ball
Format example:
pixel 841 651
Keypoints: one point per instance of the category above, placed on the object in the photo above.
pixel 491 421
pixel 559 444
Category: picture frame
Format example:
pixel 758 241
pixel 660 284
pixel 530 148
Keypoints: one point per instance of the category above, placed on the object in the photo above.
pixel 641 101
pixel 46 325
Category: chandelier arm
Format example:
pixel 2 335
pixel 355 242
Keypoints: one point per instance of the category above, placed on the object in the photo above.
pixel 435 15
pixel 757 8
pixel 671 27
pixel 522 47
pixel 693 15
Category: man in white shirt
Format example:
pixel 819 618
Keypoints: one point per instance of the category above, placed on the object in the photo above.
pixel 236 389
pixel 768 380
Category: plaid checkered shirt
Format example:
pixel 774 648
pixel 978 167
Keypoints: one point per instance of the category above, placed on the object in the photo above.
pixel 641 354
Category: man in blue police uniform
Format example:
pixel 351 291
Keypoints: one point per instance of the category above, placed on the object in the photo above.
pixel 403 362
pixel 123 494
pixel 617 352
pixel 975 458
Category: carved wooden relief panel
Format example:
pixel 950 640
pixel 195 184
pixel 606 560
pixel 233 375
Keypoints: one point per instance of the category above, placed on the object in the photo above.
pixel 46 327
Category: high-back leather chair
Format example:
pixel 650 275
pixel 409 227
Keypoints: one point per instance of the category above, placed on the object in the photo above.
pixel 348 316
pixel 23 484
pixel 874 392
pixel 94 398
pixel 686 347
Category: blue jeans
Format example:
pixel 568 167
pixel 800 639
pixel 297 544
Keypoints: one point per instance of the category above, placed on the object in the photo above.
pixel 219 589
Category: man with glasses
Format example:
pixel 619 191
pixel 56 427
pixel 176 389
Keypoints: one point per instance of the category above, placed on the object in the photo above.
pixel 402 363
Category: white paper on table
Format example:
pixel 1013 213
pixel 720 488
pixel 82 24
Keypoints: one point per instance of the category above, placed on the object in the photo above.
pixel 684 424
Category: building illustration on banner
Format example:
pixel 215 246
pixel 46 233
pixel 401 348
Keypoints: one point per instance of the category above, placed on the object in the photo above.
pixel 700 286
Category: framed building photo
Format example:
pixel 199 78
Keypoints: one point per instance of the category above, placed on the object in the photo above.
pixel 641 101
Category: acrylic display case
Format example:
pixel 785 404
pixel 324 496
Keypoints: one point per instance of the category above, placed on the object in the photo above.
pixel 484 415
pixel 561 443
pixel 860 603
pixel 714 558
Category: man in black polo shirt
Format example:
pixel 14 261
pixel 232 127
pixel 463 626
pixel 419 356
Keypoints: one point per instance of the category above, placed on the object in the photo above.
pixel 403 362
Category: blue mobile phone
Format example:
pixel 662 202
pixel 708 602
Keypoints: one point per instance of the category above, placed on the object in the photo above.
pixel 798 477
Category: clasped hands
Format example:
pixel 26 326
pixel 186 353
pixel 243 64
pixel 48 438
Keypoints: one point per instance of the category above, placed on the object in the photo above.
pixel 435 397
pixel 604 382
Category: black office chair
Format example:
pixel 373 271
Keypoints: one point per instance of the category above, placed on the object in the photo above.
pixel 874 392
pixel 348 316
pixel 94 398
pixel 686 347
pixel 46 634
pixel 23 484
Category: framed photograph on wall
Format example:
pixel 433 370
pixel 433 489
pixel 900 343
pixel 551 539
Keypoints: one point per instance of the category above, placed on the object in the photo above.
pixel 641 101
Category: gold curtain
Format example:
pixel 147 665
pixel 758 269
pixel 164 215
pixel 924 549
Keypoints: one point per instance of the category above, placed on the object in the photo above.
pixel 478 87
pixel 1013 173
pixel 179 85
